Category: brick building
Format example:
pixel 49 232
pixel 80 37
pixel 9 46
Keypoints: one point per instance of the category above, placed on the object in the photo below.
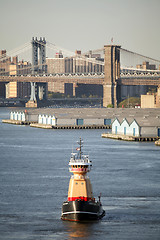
pixel 151 100
pixel 76 64
pixel 146 66
pixel 11 67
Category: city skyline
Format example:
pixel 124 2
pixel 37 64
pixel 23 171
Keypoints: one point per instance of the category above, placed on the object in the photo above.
pixel 83 24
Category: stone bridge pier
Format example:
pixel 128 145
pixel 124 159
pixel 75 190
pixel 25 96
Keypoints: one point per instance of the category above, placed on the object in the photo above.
pixel 112 74
pixel 38 92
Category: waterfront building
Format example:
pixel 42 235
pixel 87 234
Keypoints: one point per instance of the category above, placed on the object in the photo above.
pixel 64 117
pixel 151 100
pixel 24 116
pixel 74 117
pixel 129 121
pixel 146 126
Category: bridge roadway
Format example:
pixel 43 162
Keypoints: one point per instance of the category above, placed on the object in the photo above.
pixel 84 79
pixel 63 79
pixel 134 81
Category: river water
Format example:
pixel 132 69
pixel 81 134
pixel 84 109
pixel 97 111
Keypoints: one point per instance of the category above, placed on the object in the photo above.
pixel 34 180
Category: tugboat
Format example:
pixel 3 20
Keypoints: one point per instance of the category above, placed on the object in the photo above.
pixel 81 205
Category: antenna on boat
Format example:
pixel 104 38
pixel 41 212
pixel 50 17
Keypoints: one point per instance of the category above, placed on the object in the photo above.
pixel 80 147
pixel 80 142
pixel 72 148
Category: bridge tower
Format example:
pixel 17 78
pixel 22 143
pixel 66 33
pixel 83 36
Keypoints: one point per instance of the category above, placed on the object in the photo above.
pixel 41 45
pixel 34 55
pixel 38 90
pixel 112 74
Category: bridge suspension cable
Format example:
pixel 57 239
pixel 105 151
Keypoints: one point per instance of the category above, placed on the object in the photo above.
pixel 131 59
pixel 16 51
pixel 99 50
pixel 140 55
pixel 72 54
pixel 57 48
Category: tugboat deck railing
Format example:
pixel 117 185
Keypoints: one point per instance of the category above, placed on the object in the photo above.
pixel 80 162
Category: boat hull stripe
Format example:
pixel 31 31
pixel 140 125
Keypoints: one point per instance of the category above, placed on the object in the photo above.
pixel 79 212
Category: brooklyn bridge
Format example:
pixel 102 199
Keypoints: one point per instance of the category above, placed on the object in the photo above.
pixel 110 72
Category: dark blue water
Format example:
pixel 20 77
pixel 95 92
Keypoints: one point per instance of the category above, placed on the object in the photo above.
pixel 34 181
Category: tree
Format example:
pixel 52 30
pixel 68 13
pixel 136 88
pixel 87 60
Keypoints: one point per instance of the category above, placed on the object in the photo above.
pixel 130 102
pixel 110 106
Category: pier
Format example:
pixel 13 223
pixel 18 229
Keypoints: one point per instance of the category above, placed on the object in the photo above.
pixel 16 122
pixel 38 125
pixel 49 126
pixel 130 138
pixel 157 143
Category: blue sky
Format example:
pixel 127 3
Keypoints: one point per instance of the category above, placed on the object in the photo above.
pixel 83 24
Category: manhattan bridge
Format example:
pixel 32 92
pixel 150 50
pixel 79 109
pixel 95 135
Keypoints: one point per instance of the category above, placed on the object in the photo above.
pixel 111 71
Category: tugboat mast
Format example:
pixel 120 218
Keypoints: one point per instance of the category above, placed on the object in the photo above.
pixel 80 148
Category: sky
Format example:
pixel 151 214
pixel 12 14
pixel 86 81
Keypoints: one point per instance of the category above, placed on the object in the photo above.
pixel 83 24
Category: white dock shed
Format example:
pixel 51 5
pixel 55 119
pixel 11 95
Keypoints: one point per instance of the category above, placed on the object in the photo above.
pixel 139 127
pixel 23 116
pixel 47 119
pixel 18 116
